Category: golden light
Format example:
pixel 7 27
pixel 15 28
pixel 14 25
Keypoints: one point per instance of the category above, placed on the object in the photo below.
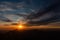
pixel 20 26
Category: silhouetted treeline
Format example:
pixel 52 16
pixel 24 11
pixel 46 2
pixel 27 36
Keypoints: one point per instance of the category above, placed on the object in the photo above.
pixel 29 34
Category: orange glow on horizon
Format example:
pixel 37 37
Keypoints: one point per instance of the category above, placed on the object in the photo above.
pixel 20 27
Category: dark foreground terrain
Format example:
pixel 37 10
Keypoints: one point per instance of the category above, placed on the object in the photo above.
pixel 29 34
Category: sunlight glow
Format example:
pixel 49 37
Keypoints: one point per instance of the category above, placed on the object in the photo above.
pixel 20 26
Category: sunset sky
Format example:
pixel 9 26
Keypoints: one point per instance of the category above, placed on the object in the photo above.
pixel 36 12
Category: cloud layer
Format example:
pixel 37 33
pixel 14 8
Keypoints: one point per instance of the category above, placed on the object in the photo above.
pixel 11 9
pixel 37 12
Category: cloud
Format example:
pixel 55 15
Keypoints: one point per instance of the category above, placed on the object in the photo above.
pixel 2 18
pixel 12 17
pixel 41 17
pixel 14 7
pixel 45 14
pixel 9 6
pixel 11 9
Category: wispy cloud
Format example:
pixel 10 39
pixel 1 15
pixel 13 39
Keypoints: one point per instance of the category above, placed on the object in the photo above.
pixel 4 19
pixel 45 13
pixel 10 9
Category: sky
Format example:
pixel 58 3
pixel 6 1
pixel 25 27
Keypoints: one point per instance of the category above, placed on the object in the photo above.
pixel 36 11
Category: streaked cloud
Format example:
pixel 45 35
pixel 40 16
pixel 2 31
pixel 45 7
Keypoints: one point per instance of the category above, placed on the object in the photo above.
pixel 10 9
pixel 40 12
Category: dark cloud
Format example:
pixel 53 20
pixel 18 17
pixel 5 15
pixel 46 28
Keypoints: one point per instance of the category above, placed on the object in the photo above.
pixel 51 8
pixel 4 19
pixel 11 0
pixel 45 21
pixel 40 7
pixel 20 14
pixel 43 11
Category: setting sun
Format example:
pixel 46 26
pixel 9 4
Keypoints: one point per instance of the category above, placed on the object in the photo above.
pixel 20 26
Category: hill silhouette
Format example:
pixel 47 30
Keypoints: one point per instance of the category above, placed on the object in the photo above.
pixel 30 34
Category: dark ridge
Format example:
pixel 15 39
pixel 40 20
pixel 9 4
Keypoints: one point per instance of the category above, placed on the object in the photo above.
pixel 30 34
pixel 20 35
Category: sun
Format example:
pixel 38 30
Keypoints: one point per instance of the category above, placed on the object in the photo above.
pixel 20 26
